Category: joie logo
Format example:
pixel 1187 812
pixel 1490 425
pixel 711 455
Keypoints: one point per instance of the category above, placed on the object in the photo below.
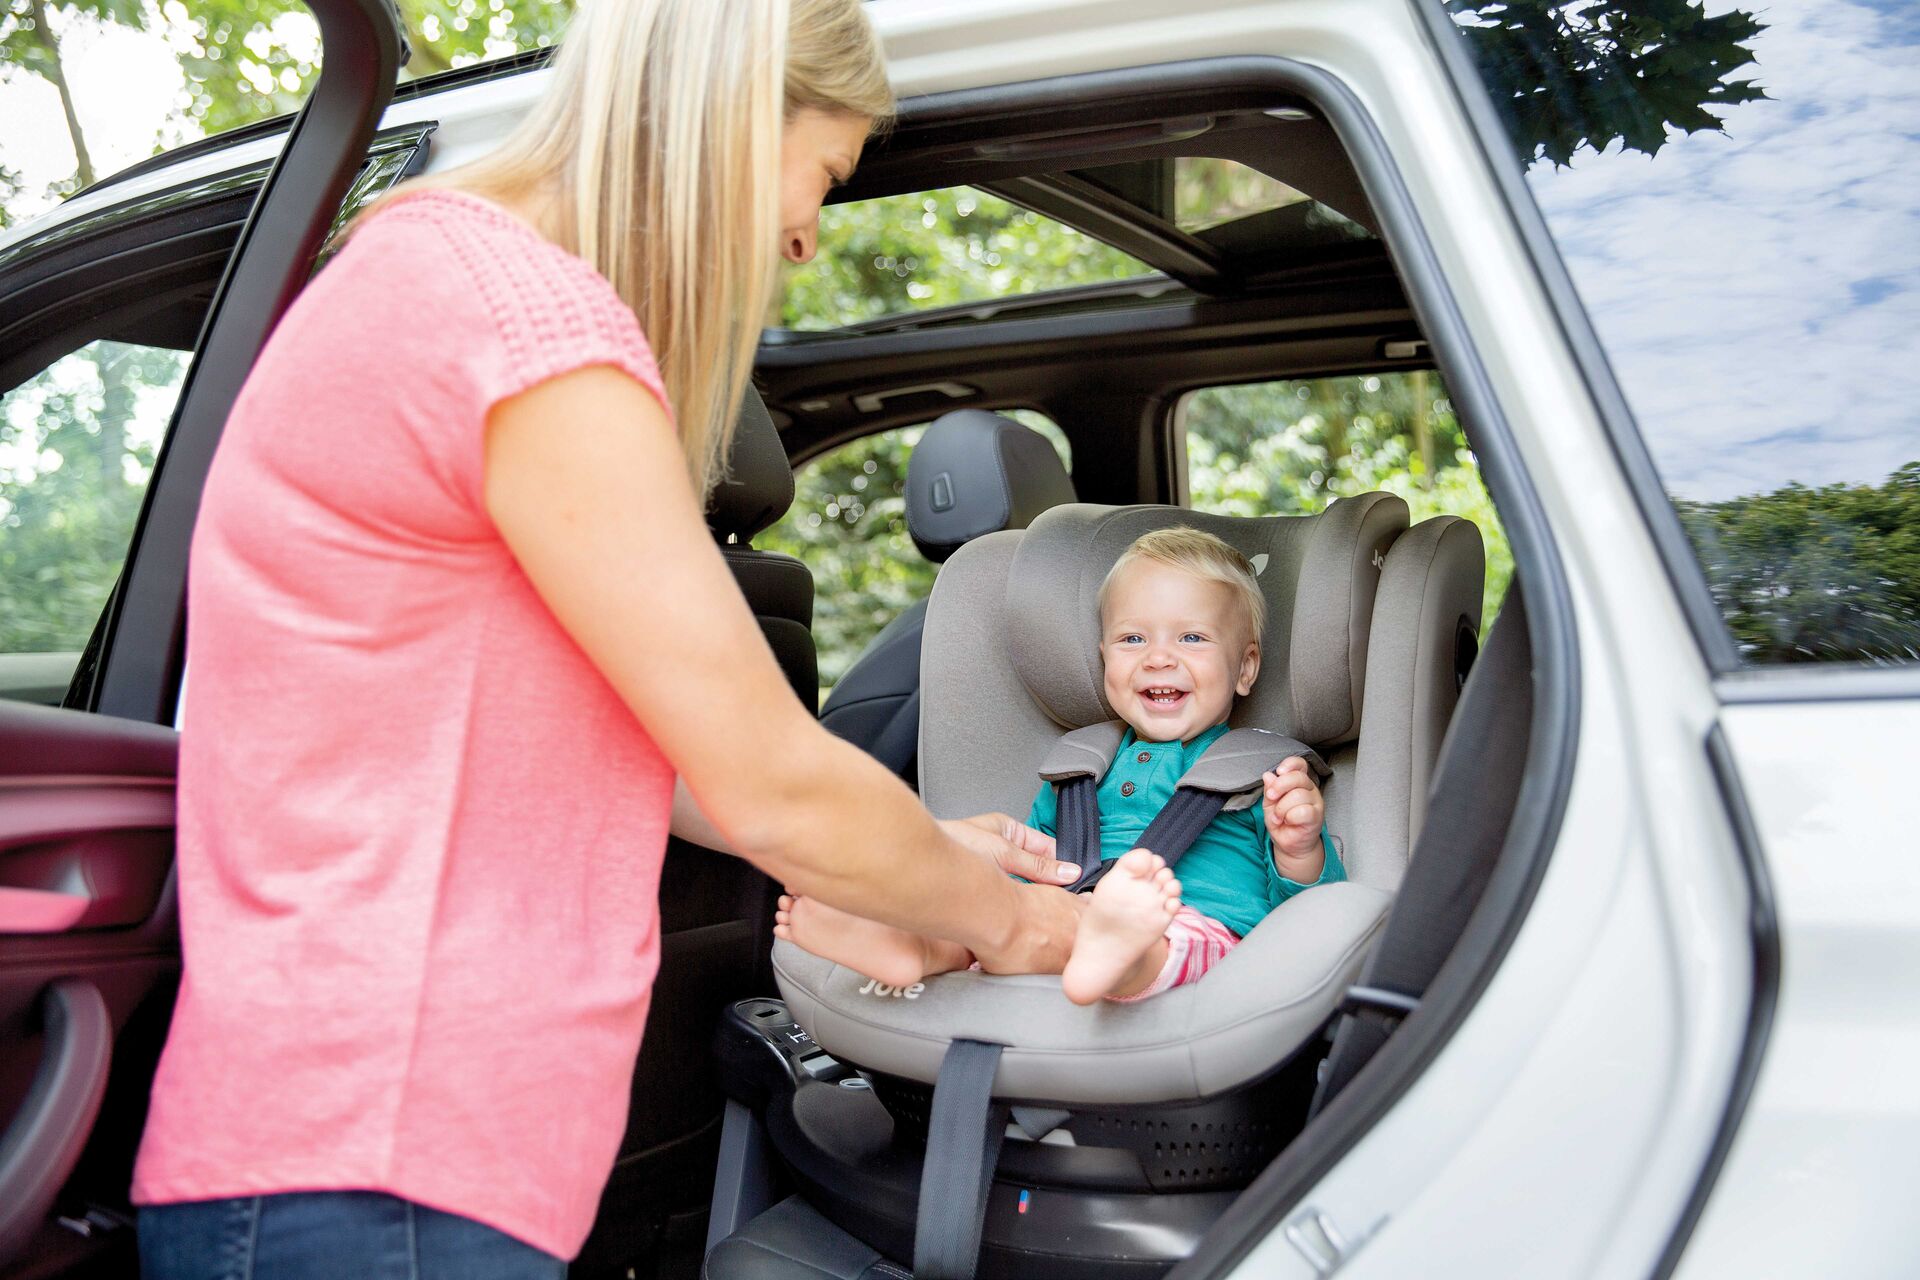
pixel 875 987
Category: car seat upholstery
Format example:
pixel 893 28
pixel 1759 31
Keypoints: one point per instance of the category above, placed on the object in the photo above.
pixel 972 473
pixel 1364 617
pixel 755 492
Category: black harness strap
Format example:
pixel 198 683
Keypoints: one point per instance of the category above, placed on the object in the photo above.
pixel 1076 827
pixel 964 1133
pixel 1170 834
pixel 1181 820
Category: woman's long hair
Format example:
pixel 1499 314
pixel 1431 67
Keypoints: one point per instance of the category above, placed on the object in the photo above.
pixel 658 145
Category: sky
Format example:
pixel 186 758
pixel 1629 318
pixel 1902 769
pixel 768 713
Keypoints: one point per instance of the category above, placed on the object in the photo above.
pixel 1758 291
pixel 124 84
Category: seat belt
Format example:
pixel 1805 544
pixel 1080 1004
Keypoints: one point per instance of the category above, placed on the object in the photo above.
pixel 1475 788
pixel 1225 777
pixel 964 1132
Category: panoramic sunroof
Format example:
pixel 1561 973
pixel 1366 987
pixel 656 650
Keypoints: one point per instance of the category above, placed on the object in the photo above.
pixel 901 254
pixel 1213 225
pixel 1223 203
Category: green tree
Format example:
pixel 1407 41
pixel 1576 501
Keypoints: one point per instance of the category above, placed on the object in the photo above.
pixel 29 41
pixel 1292 447
pixel 76 445
pixel 248 60
pixel 938 248
pixel 1829 574
pixel 1574 74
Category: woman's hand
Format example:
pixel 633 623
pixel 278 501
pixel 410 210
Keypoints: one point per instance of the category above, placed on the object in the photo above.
pixel 1015 847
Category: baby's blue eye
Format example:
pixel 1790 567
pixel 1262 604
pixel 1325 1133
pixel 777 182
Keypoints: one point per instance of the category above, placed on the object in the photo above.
pixel 1193 637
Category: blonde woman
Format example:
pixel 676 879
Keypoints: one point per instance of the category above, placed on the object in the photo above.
pixel 464 653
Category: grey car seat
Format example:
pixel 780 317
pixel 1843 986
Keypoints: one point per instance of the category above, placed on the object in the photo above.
pixel 755 492
pixel 1137 1123
pixel 972 473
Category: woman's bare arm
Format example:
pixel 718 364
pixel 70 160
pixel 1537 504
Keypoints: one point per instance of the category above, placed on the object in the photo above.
pixel 585 481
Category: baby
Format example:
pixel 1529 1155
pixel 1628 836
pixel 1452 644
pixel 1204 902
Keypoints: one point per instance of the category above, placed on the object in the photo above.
pixel 1181 616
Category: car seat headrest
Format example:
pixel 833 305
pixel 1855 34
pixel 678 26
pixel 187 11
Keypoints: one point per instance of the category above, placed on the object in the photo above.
pixel 975 473
pixel 757 488
pixel 1319 574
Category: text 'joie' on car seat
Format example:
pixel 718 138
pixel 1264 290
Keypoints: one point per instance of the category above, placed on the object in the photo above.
pixel 993 1123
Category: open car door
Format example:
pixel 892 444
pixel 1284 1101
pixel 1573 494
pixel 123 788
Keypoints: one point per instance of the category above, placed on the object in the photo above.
pixel 89 949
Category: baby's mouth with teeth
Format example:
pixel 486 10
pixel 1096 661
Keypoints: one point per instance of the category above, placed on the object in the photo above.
pixel 1163 696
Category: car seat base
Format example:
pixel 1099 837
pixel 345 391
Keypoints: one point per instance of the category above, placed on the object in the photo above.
pixel 1063 1204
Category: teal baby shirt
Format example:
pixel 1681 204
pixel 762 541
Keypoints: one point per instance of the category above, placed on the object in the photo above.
pixel 1228 875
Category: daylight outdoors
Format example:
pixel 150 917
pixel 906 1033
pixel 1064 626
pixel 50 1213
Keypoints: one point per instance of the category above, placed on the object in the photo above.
pixel 77 440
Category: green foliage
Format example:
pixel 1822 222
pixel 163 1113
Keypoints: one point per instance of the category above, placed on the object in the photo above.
pixel 1806 575
pixel 247 60
pixel 1585 74
pixel 1290 448
pixel 76 445
pixel 906 253
pixel 848 524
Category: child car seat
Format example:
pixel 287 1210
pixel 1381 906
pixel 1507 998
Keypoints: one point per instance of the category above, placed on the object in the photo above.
pixel 972 473
pixel 1132 1125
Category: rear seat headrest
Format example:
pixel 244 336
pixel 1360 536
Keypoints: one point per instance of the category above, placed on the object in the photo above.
pixel 1320 574
pixel 757 488
pixel 975 473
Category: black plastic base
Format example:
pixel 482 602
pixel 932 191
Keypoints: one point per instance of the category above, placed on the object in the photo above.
pixel 1066 1210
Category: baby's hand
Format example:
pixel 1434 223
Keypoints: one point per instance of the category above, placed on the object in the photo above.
pixel 1295 811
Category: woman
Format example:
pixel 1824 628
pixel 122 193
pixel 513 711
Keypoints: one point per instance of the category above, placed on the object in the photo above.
pixel 459 634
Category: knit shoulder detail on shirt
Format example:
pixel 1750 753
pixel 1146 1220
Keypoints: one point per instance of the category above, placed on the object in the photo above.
pixel 554 313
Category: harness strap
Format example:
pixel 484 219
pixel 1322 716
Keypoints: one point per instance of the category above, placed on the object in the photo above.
pixel 964 1133
pixel 1225 777
pixel 1076 826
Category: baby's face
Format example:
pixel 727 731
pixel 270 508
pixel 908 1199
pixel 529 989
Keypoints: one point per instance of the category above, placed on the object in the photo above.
pixel 1177 651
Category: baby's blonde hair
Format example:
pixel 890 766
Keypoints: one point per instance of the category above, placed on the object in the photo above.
pixel 659 143
pixel 1201 554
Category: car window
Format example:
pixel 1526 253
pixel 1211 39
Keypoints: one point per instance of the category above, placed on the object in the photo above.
pixel 1292 447
pixel 1734 190
pixel 77 443
pixel 848 524
pixel 931 249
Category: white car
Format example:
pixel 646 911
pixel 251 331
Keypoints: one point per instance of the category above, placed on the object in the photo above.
pixel 1629 991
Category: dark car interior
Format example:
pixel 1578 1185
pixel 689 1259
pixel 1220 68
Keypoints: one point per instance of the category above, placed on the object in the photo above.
pixel 756 1146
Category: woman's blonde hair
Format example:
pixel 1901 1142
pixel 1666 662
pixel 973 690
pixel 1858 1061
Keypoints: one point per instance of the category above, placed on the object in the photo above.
pixel 1204 556
pixel 658 145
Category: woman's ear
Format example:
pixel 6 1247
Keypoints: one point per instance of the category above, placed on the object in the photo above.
pixel 1249 669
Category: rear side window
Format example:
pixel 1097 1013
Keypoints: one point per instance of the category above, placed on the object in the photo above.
pixel 848 524
pixel 1290 448
pixel 77 443
pixel 1736 194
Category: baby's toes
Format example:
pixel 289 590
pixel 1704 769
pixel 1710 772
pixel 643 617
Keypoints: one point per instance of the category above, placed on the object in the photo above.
pixel 1137 862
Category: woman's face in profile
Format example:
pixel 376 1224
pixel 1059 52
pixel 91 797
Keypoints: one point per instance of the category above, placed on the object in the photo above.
pixel 818 151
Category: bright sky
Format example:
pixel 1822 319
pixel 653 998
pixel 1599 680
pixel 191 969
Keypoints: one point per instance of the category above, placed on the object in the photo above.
pixel 124 85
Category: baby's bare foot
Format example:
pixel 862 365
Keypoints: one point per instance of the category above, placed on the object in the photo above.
pixel 1114 951
pixel 896 957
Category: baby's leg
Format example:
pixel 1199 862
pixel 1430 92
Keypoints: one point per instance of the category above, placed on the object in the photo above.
pixel 1122 943
pixel 896 957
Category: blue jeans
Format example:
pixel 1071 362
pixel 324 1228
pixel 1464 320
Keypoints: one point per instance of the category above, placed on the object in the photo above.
pixel 325 1235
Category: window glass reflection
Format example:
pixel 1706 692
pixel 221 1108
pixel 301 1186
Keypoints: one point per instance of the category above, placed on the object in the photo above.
pixel 1736 194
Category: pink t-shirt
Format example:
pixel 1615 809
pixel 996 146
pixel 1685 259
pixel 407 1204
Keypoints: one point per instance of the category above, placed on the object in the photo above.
pixel 420 836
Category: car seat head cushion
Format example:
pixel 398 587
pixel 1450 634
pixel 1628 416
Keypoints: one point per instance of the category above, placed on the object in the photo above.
pixel 976 473
pixel 757 488
pixel 1319 574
